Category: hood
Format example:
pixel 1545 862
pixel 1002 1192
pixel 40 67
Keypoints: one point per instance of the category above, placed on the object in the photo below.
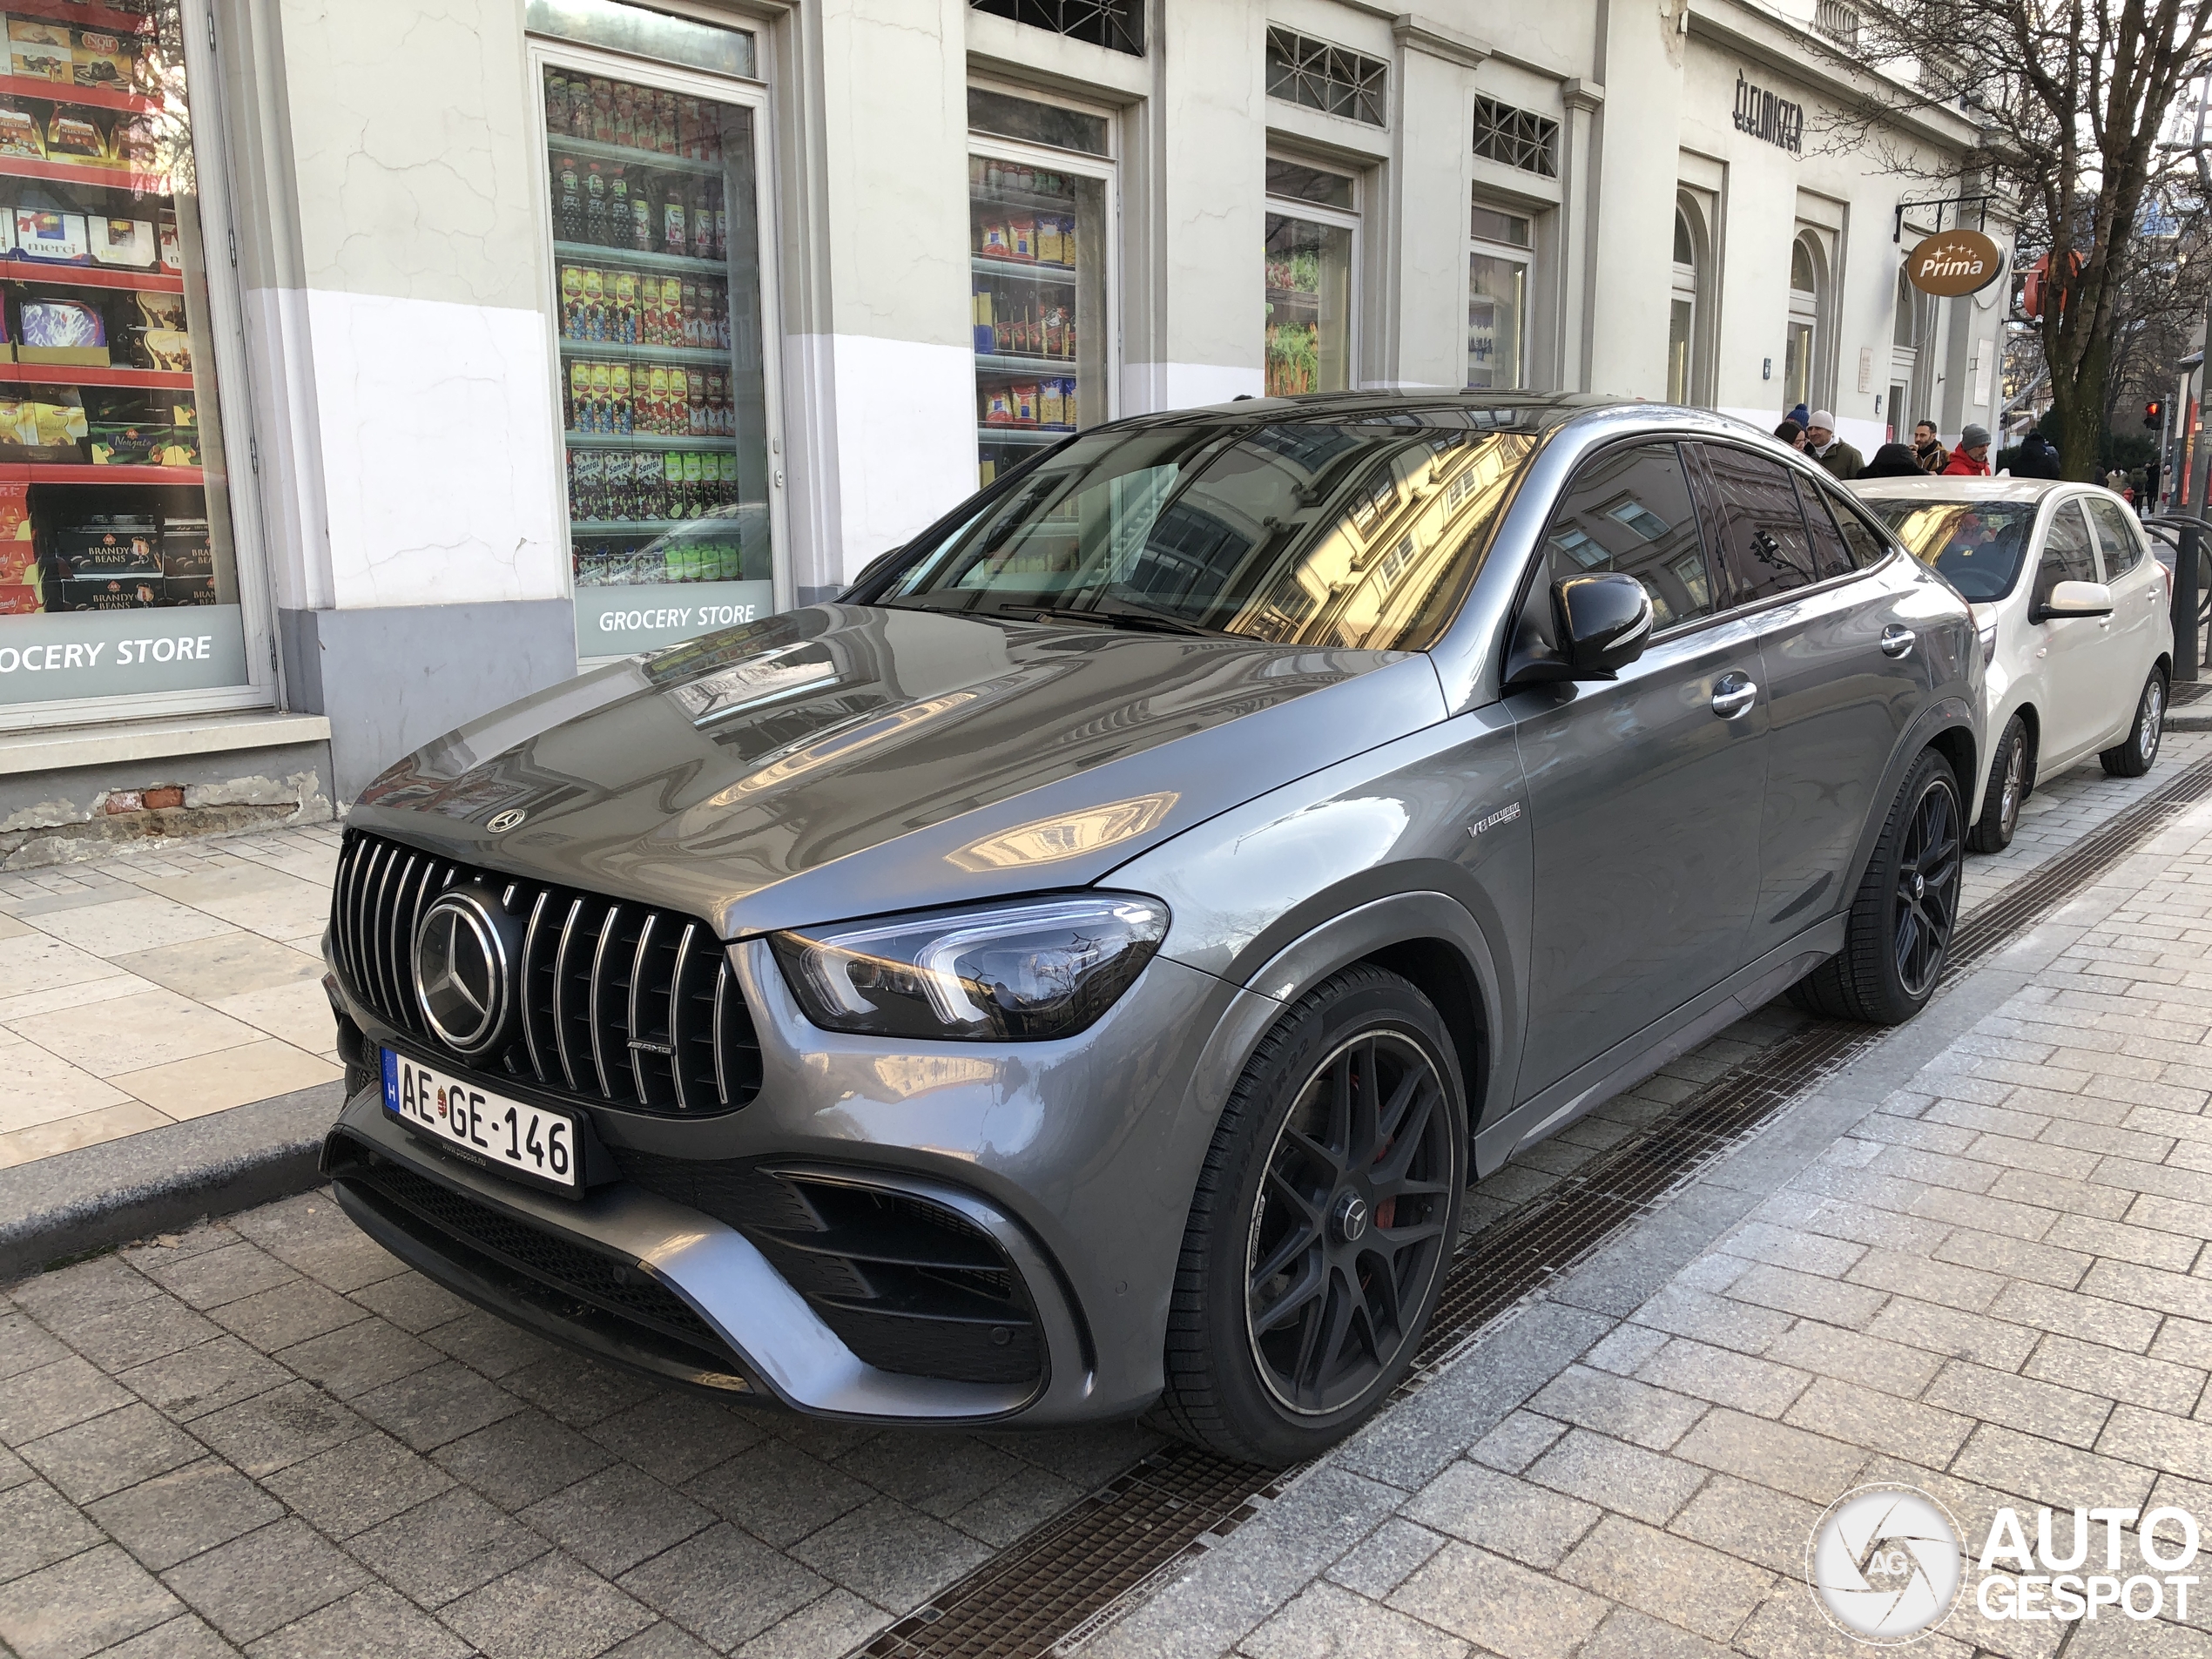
pixel 839 761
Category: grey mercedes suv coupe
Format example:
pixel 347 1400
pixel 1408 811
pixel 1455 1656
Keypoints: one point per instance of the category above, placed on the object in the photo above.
pixel 1079 971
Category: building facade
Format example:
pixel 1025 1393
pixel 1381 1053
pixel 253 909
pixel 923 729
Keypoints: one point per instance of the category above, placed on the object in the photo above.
pixel 396 361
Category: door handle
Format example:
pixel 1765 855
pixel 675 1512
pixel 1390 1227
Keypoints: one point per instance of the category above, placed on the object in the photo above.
pixel 1896 641
pixel 1733 693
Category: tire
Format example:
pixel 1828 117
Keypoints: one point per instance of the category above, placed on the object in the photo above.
pixel 1293 1317
pixel 2008 787
pixel 1899 928
pixel 2139 752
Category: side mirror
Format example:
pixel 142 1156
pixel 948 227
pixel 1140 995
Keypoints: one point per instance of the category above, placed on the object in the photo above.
pixel 2077 599
pixel 1603 623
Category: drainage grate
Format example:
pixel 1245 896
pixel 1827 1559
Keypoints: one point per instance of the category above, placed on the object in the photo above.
pixel 1072 1575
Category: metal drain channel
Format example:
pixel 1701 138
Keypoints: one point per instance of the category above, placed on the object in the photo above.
pixel 1071 1575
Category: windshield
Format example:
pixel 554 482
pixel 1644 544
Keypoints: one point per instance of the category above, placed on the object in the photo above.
pixel 1977 545
pixel 1364 534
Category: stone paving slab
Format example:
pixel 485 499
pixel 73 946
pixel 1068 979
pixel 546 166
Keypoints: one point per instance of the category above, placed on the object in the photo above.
pixel 265 1435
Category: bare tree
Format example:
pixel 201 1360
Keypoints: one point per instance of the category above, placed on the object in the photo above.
pixel 2070 97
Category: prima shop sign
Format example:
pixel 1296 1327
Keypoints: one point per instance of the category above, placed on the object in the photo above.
pixel 1769 118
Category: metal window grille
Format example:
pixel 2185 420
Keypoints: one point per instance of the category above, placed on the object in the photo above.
pixel 1838 22
pixel 1301 70
pixel 1517 137
pixel 1117 25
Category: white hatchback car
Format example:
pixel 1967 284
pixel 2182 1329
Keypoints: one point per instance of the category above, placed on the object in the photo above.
pixel 2075 617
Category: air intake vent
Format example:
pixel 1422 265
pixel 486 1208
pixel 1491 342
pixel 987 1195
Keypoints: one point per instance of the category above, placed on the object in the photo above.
pixel 619 1004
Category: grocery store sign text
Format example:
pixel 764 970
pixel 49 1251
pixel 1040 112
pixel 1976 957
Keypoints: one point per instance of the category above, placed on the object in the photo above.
pixel 616 621
pixel 47 658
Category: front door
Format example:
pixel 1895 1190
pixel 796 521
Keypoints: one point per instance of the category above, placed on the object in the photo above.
pixel 1644 791
pixel 1844 668
pixel 2071 652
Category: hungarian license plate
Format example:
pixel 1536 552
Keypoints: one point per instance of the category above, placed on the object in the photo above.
pixel 506 1134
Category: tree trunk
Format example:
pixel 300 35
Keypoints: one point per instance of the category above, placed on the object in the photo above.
pixel 2077 401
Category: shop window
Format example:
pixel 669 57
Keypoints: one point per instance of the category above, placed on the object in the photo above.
pixel 1497 300
pixel 1312 234
pixel 1516 137
pixel 1801 349
pixel 658 265
pixel 1040 206
pixel 118 567
pixel 1301 70
pixel 1118 25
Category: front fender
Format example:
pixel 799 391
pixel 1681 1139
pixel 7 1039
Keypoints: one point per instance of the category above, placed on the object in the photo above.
pixel 1946 714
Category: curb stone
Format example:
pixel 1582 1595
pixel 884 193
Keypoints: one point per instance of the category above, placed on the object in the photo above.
pixel 162 1180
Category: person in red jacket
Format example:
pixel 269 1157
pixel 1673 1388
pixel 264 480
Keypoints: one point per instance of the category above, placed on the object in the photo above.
pixel 1970 458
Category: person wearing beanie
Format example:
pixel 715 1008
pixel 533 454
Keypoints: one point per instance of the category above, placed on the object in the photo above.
pixel 1799 415
pixel 1843 462
pixel 1892 461
pixel 1970 458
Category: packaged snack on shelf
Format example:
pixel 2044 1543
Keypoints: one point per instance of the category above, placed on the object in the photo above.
pixel 1052 407
pixel 572 302
pixel 985 341
pixel 622 416
pixel 75 137
pixel 15 524
pixel 20 133
pixel 993 243
pixel 61 331
pixel 134 145
pixel 186 548
pixel 998 407
pixel 165 226
pixel 188 590
pixel 1049 240
pixel 96 593
pixel 602 398
pixel 16 600
pixel 1025 402
pixel 39 50
pixel 117 546
pixel 127 243
pixel 595 304
pixel 56 238
pixel 116 444
pixel 168 348
pixel 180 449
pixel 579 397
pixel 1022 238
pixel 623 319
pixel 99 58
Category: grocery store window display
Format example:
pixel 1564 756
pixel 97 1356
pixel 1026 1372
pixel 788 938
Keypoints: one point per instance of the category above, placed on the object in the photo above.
pixel 119 583
pixel 1040 205
pixel 653 192
pixel 1312 253
pixel 1498 258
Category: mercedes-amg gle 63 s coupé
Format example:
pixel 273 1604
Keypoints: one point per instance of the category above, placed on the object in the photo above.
pixel 1078 971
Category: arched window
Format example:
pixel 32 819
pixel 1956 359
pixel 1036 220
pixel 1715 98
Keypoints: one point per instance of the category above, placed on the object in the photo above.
pixel 1686 310
pixel 1801 353
pixel 1908 336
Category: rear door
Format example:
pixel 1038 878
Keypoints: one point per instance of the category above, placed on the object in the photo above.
pixel 2072 653
pixel 2140 629
pixel 1843 671
pixel 1644 795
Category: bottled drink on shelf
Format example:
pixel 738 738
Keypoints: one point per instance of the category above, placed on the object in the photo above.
pixel 625 120
pixel 556 102
pixel 676 235
pixel 617 208
pixel 568 209
pixel 702 225
pixel 595 205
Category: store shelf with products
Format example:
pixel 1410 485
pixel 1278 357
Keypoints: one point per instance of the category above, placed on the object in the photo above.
pixel 631 259
pixel 89 276
pixel 63 472
pixel 152 380
pixel 631 155
pixel 1025 437
pixel 646 441
pixel 1031 270
pixel 700 356
pixel 85 16
pixel 95 98
pixel 83 173
pixel 1018 368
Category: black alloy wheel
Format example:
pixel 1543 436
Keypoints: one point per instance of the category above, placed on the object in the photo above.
pixel 1898 931
pixel 1349 1229
pixel 1323 1224
pixel 1926 901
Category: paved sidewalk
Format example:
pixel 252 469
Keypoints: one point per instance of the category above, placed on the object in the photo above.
pixel 161 985
pixel 1994 1285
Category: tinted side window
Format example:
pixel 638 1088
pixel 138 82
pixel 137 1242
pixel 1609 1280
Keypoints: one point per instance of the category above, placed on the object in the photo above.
pixel 2116 536
pixel 1763 546
pixel 1866 544
pixel 1629 511
pixel 2066 557
pixel 1830 555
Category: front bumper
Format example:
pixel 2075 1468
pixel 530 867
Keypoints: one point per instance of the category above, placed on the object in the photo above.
pixel 1075 1160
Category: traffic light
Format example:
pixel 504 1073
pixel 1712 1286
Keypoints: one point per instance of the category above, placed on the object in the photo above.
pixel 2153 415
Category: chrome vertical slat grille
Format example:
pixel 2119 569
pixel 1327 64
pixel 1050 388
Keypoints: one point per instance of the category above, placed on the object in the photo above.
pixel 618 1003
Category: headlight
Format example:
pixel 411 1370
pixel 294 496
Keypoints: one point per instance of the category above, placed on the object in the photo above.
pixel 1027 971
